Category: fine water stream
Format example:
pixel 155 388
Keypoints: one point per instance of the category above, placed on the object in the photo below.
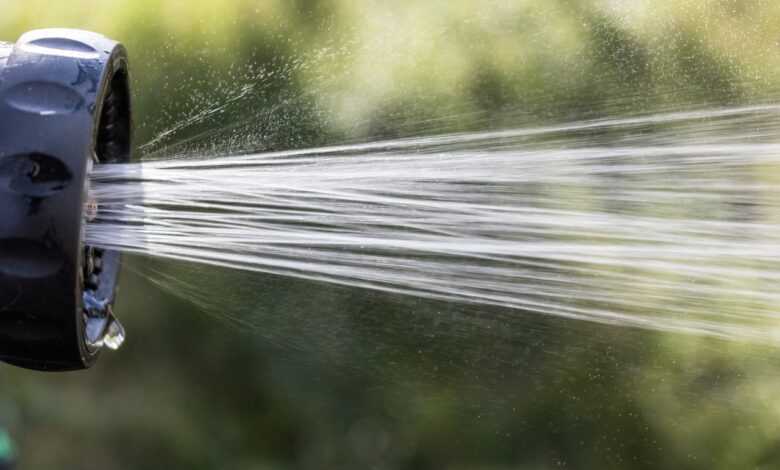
pixel 666 221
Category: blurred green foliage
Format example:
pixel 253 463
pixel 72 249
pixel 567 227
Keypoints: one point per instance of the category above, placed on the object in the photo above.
pixel 329 377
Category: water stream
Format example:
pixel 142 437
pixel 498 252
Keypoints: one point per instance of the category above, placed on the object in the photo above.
pixel 666 221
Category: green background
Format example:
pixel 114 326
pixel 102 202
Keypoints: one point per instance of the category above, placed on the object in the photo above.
pixel 317 376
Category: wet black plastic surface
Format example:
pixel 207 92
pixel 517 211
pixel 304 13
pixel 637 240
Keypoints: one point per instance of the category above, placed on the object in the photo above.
pixel 52 87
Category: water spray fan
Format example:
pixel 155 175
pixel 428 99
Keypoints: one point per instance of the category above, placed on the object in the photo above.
pixel 64 107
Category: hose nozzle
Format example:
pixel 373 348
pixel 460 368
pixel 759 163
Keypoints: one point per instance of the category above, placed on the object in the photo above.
pixel 64 106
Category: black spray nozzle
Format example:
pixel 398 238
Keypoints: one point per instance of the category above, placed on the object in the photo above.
pixel 64 106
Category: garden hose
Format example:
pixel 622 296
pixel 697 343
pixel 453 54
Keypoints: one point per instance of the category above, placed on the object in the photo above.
pixel 64 106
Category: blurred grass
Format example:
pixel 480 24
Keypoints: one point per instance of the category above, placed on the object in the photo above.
pixel 349 379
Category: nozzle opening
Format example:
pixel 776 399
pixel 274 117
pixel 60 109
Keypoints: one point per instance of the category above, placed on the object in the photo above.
pixel 100 268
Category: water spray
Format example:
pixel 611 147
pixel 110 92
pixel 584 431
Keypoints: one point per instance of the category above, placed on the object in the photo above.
pixel 667 221
pixel 64 107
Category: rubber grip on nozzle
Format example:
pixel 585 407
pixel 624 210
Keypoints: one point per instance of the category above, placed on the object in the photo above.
pixel 54 122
